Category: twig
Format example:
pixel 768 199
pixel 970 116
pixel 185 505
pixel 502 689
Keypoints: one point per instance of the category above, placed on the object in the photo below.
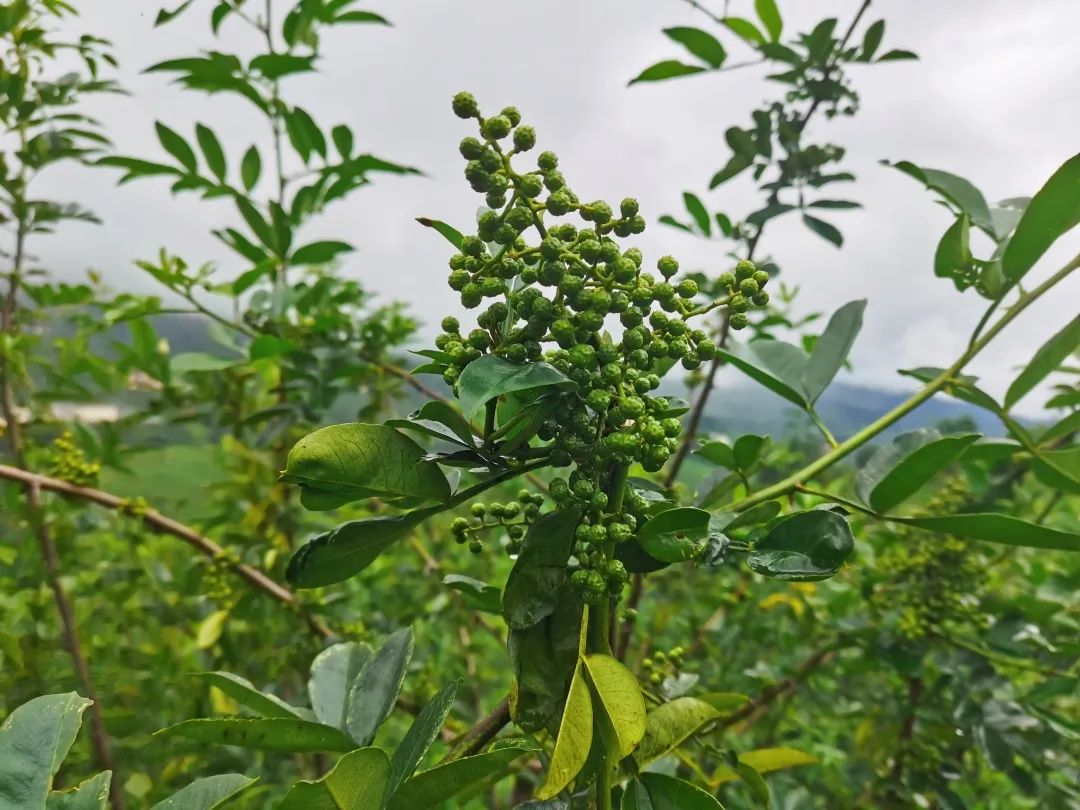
pixel 482 733
pixel 166 525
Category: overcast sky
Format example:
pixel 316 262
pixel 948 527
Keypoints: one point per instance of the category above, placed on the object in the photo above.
pixel 993 98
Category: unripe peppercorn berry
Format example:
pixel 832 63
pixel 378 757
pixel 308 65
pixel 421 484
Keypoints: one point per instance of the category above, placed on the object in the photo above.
pixel 667 266
pixel 497 127
pixel 547 161
pixel 524 138
pixel 465 105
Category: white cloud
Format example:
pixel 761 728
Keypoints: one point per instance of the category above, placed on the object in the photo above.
pixel 993 98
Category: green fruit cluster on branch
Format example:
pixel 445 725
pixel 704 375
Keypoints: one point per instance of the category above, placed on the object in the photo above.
pixel 513 517
pixel 552 289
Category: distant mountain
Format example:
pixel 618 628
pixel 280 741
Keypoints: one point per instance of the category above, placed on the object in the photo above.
pixel 742 407
pixel 738 406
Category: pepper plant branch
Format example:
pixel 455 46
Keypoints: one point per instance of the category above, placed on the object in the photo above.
pixel 940 382
pixel 166 525
pixel 99 738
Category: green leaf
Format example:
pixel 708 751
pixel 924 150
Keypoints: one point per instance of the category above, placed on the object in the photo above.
pixel 573 741
pixel 361 17
pixel 957 190
pixel 718 453
pixel 164 15
pixel 250 168
pixel 210 629
pixel 671 724
pixel 1070 424
pixel 206 793
pixel 532 588
pixel 1052 212
pixel 218 15
pixel 211 149
pixel 832 348
pixel 698 212
pixel 332 673
pixel 257 223
pixel 304 134
pixel 320 252
pixel 478 594
pixel 803 547
pixel 349 548
pixel 1047 360
pixel 374 691
pixel 90 794
pixel 34 740
pixel 343 463
pixel 997 528
pixel 827 231
pixel 741 141
pixel 777 365
pixel 420 736
pixel 276 65
pixel 839 205
pixel 434 787
pixel 766 760
pixel 745 30
pixel 754 516
pixel 875 32
pixel 668 69
pixel 724 702
pixel 177 147
pixel 735 165
pixel 757 785
pixel 244 693
pixel 952 258
pixel 657 791
pixel 896 55
pixel 448 416
pixel 452 235
pixel 675 535
pixel 490 377
pixel 700 43
pixel 543 658
pixel 902 467
pixel 770 17
pixel 620 703
pixel 271 734
pixel 359 781
pixel 747 449
pixel 343 140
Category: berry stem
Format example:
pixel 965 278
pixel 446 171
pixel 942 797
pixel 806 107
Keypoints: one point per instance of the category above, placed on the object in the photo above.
pixel 489 418
pixel 600 620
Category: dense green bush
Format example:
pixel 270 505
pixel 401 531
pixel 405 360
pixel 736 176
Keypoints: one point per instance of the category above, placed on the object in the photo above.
pixel 290 571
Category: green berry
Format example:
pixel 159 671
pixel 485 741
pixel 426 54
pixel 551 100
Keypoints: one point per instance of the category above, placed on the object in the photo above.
pixel 524 138
pixel 667 266
pixel 465 105
pixel 497 127
pixel 547 161
pixel 470 148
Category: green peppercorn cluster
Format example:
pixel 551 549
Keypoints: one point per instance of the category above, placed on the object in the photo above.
pixel 551 279
pixel 933 580
pixel 68 462
pixel 514 518
pixel 663 665
pixel 217 581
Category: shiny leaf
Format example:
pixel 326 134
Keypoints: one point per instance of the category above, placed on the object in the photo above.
pixel 803 547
